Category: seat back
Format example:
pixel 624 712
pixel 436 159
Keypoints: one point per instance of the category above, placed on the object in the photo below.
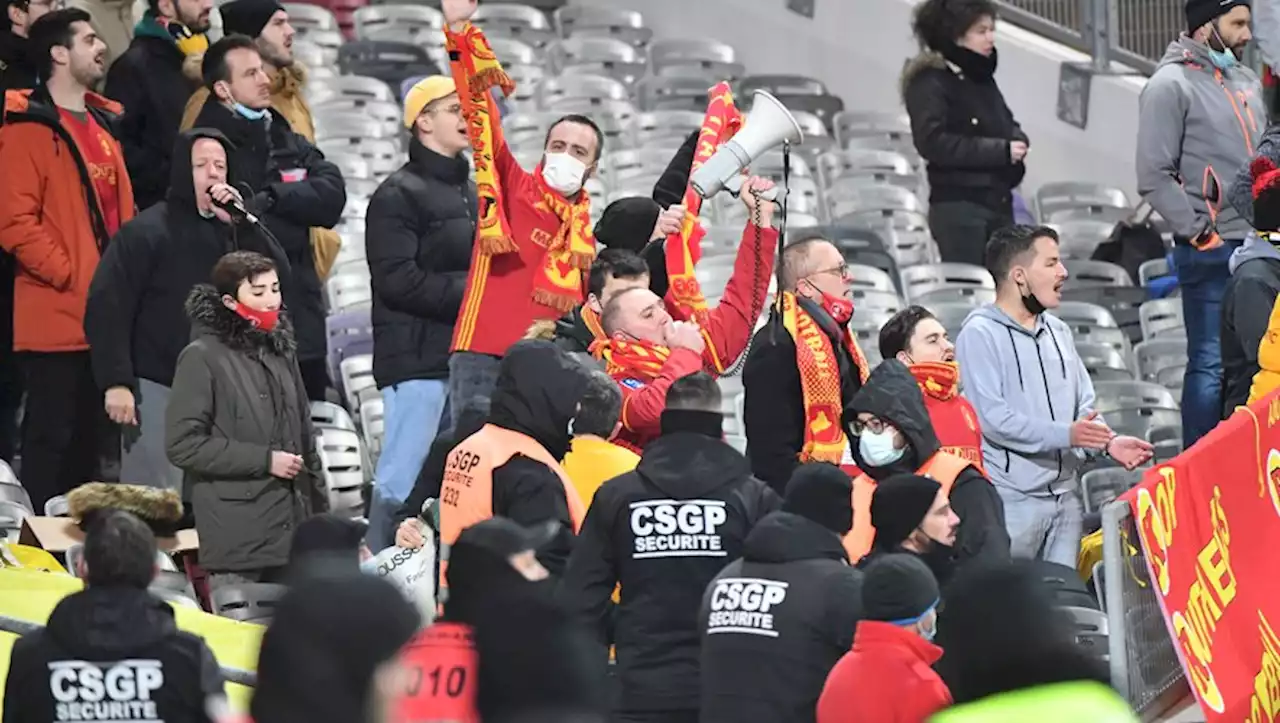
pixel 1113 395
pixel 1161 317
pixel 1096 273
pixel 253 602
pixel 357 375
pixel 327 415
pixel 342 466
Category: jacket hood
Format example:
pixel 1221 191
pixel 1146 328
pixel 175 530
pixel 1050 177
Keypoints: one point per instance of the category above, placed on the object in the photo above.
pixel 537 393
pixel 685 465
pixel 103 623
pixel 427 162
pixel 1253 247
pixel 788 537
pixel 1185 51
pixel 289 81
pixel 925 60
pixel 161 509
pixel 891 393
pixel 181 185
pixel 38 103
pixel 210 317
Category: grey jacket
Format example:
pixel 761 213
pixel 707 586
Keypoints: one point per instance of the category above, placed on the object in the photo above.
pixel 1027 387
pixel 1197 126
pixel 237 396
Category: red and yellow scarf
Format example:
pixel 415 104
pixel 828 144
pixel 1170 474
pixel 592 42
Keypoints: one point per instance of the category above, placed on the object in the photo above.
pixel 824 437
pixel 640 359
pixel 940 380
pixel 570 252
pixel 683 250
pixel 591 320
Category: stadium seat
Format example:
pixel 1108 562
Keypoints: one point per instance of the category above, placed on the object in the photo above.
pixel 349 334
pixel 327 415
pixel 851 125
pixel 605 56
pixel 14 494
pixel 348 292
pixel 1083 273
pixel 411 20
pixel 389 61
pixel 342 465
pixel 57 506
pixel 971 296
pixel 1161 317
pixel 707 54
pixel 1100 486
pixel 924 278
pixel 1103 361
pixel 253 602
pixel 871 279
pixel 356 374
pixel 1155 355
pixel 1114 395
pixel 589 21
pixel 595 88
pixel 1053 197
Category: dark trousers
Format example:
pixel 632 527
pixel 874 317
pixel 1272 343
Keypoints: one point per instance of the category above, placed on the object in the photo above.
pixel 656 716
pixel 315 377
pixel 962 228
pixel 67 438
pixel 10 404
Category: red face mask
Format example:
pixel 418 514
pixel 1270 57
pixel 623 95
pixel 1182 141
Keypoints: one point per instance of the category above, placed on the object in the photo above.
pixel 261 320
pixel 839 308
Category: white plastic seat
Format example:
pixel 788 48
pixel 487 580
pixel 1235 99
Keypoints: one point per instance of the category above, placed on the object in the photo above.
pixel 327 415
pixel 351 86
pixel 350 163
pixel 918 280
pixel 385 112
pixel 1081 272
pixel 610 57
pixel 857 124
pixel 353 126
pixel 845 198
pixel 357 376
pixel 1156 355
pixel 410 19
pixel 588 21
pixel 349 291
pixel 704 52
pixel 306 18
pixel 1052 197
pixel 373 424
pixel 342 464
pixel 1160 317
pixel 1113 395
pixel 594 88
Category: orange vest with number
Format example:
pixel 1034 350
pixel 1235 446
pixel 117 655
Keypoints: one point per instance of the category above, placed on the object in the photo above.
pixel 466 494
pixel 442 664
pixel 943 467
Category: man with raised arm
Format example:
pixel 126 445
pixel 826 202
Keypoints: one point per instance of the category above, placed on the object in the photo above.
pixel 645 350
pixel 533 243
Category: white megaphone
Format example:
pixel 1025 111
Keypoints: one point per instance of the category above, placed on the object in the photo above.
pixel 768 125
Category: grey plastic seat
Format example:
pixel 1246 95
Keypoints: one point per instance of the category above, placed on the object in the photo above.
pixel 351 126
pixel 1100 486
pixel 351 165
pixel 700 52
pixel 1139 421
pixel 589 87
pixel 351 86
pixel 327 415
pixel 1152 269
pixel 510 14
pixel 357 375
pixel 7 476
pixel 11 516
pixel 1108 214
pixel 1091 630
pixel 871 279
pixel 1172 378
pixel 781 85
pixel 388 113
pixel 410 19
pixel 590 21
pixel 349 291
pixel 17 495
pixel 385 155
pixel 613 116
pixel 610 57
pixel 1160 317
pixel 951 315
pixel 311 55
pixel 845 198
pixel 57 506
pixel 1080 237
pixel 664 93
pixel 1167 442
pixel 1080 313
pixel 1103 362
pixel 1113 395
pixel 329 42
pixel 1154 355
pixel 373 425
pixel 1081 273
pixel 515 51
pixel 1122 301
pixel 868 167
pixel 876 301
pixel 1065 194
pixel 307 18
pixel 248 603
pixel 859 124
pixel 342 466
pixel 922 279
pixel 972 296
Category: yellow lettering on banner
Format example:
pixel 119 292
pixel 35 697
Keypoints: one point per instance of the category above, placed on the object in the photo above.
pixel 1207 599
pixel 1273 412
pixel 1264 704
pixel 1157 514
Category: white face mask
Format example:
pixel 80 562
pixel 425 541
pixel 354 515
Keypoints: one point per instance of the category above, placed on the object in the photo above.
pixel 877 449
pixel 563 173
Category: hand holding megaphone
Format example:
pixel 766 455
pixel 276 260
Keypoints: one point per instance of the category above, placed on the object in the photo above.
pixel 753 196
pixel 768 125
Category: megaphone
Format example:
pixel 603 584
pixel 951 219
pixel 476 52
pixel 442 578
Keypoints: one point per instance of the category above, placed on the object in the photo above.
pixel 768 125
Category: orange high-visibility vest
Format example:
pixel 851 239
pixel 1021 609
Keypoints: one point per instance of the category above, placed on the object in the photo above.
pixel 443 666
pixel 943 467
pixel 466 493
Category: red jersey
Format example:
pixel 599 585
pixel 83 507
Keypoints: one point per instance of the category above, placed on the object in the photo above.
pixel 97 147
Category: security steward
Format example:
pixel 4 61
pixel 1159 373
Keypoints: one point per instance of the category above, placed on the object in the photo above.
pixel 511 467
pixel 893 434
pixel 663 532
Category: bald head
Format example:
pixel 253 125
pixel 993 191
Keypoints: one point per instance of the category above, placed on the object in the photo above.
pixel 805 258
pixel 636 312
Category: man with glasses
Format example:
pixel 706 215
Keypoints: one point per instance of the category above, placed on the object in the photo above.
pixel 421 226
pixel 804 367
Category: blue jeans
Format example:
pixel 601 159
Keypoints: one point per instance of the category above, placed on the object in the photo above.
pixel 412 412
pixel 1203 276
pixel 472 378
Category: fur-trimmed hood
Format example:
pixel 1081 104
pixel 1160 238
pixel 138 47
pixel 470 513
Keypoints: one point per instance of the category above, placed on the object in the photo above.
pixel 161 509
pixel 926 59
pixel 210 317
pixel 544 329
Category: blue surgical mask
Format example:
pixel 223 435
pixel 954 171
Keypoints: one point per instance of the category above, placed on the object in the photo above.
pixel 249 113
pixel 877 449
pixel 1222 59
pixel 930 632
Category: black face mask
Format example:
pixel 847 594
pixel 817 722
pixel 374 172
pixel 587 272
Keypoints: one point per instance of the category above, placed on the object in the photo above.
pixel 1031 302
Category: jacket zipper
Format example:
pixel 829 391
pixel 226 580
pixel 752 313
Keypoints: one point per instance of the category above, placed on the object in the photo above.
pixel 1244 128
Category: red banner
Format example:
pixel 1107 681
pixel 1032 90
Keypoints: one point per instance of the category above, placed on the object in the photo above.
pixel 1209 521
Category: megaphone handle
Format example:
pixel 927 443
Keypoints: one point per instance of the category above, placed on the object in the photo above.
pixel 734 187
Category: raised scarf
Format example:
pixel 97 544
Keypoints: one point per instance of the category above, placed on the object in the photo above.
pixel 570 251
pixel 684 249
pixel 630 358
pixel 824 437
pixel 940 380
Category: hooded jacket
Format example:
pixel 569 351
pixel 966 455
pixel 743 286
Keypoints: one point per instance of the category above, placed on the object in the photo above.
pixel 266 153
pixel 767 649
pixel 134 319
pixel 886 678
pixel 119 634
pixel 537 395
pixel 421 226
pixel 663 532
pixel 57 235
pixel 962 127
pixel 1254 285
pixel 1028 387
pixel 287 85
pixel 237 397
pixel 150 82
pixel 1197 126
pixel 892 394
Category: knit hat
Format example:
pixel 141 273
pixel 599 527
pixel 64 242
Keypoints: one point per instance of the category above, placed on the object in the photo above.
pixel 247 17
pixel 899 505
pixel 1266 194
pixel 424 93
pixel 821 492
pixel 627 223
pixel 1203 12
pixel 897 589
pixel 328 535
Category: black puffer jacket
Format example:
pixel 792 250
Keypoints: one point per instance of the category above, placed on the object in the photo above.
pixel 237 397
pixel 775 622
pixel 128 636
pixel 134 319
pixel 892 394
pixel 962 127
pixel 265 153
pixel 16 69
pixel 421 225
pixel 149 82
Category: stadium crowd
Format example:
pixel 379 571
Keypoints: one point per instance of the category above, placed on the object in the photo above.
pixel 554 411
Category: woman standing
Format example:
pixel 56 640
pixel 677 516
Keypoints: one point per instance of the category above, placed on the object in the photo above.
pixel 973 147
pixel 239 427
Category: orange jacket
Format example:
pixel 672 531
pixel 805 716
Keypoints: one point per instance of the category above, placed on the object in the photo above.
pixel 47 222
pixel 942 466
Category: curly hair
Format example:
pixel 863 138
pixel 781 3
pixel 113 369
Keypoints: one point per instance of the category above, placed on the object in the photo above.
pixel 938 24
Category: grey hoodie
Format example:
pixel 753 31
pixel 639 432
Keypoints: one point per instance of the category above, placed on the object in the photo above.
pixel 1027 387
pixel 1197 126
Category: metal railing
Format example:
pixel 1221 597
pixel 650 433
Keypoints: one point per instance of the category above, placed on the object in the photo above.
pixel 1133 32
pixel 1144 663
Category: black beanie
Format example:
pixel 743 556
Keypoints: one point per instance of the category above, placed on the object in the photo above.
pixel 1202 12
pixel 627 223
pixel 328 535
pixel 821 492
pixel 896 588
pixel 899 505
pixel 247 17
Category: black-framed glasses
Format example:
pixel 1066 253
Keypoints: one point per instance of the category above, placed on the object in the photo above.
pixel 875 425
